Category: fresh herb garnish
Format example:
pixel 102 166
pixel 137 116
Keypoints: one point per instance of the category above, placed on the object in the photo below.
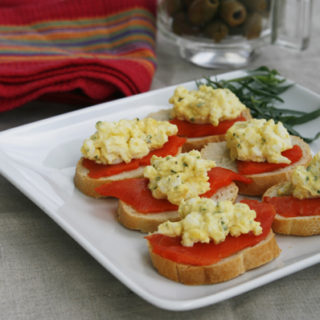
pixel 259 91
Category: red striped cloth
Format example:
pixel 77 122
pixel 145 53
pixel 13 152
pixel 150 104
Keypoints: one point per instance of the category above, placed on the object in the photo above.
pixel 88 51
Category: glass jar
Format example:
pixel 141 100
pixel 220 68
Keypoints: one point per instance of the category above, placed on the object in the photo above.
pixel 228 33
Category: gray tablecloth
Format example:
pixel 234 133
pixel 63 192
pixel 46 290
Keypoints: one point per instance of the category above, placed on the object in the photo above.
pixel 44 274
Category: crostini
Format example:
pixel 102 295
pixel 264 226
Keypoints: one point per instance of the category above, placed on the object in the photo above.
pixel 203 115
pixel 146 202
pixel 121 149
pixel 214 242
pixel 297 201
pixel 261 150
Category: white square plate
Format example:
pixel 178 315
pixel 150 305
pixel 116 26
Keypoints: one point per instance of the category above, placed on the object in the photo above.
pixel 40 158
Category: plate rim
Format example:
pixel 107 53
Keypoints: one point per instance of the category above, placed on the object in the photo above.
pixel 183 305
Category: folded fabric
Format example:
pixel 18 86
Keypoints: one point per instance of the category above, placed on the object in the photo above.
pixel 98 49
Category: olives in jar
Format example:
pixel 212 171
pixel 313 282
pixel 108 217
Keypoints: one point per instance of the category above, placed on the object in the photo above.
pixel 253 26
pixel 216 30
pixel 255 5
pixel 218 20
pixel 233 12
pixel 173 6
pixel 201 12
pixel 181 25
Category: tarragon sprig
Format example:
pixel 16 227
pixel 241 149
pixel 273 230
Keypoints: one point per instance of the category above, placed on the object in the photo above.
pixel 259 90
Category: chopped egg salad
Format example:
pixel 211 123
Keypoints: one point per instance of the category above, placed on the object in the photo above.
pixel 180 177
pixel 305 181
pixel 205 220
pixel 124 140
pixel 205 105
pixel 258 140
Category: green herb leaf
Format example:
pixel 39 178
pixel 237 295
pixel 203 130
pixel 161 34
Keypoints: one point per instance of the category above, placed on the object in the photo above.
pixel 259 91
pixel 302 119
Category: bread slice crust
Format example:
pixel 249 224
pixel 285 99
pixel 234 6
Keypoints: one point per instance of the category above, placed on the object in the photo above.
pixel 298 226
pixel 144 222
pixel 199 142
pixel 224 270
pixel 262 181
pixel 88 185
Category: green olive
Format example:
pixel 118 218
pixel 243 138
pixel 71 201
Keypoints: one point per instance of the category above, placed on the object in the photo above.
pixel 182 26
pixel 202 11
pixel 253 26
pixel 255 5
pixel 216 30
pixel 173 6
pixel 236 31
pixel 186 3
pixel 232 12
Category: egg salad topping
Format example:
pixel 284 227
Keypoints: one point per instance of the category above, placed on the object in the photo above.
pixel 124 140
pixel 181 177
pixel 305 181
pixel 258 140
pixel 205 220
pixel 205 105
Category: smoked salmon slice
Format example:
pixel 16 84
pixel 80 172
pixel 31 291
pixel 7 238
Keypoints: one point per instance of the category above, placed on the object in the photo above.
pixel 204 254
pixel 135 192
pixel 250 167
pixel 96 170
pixel 193 130
pixel 288 206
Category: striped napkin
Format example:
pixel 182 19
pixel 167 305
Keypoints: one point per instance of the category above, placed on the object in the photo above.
pixel 85 51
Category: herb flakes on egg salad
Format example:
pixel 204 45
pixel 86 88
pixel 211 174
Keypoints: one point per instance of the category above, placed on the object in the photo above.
pixel 305 181
pixel 205 105
pixel 124 140
pixel 181 177
pixel 258 140
pixel 204 220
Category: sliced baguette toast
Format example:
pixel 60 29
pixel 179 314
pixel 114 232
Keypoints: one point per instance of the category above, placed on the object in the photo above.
pixel 195 143
pixel 262 181
pixel 225 269
pixel 143 222
pixel 88 185
pixel 298 226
